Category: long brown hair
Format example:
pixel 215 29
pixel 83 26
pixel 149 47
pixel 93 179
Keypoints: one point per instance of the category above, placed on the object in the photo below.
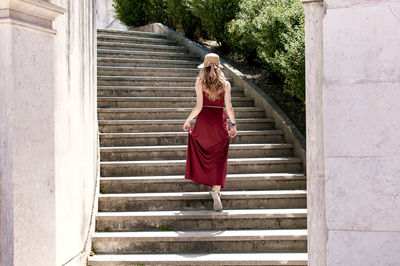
pixel 213 86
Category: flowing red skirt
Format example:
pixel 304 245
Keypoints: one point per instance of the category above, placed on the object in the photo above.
pixel 207 150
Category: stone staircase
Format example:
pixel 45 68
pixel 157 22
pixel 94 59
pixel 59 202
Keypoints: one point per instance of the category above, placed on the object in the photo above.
pixel 148 214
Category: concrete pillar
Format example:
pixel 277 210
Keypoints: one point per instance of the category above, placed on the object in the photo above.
pixel 358 163
pixel 316 220
pixel 27 154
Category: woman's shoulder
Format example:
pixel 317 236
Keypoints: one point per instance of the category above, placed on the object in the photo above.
pixel 227 85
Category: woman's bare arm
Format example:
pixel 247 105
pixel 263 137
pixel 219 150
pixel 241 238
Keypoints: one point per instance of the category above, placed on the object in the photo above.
pixel 199 102
pixel 228 104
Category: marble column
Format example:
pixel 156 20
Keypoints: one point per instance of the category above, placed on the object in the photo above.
pixel 27 154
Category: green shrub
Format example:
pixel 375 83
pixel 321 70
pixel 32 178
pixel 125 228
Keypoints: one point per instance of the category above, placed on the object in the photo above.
pixel 132 13
pixel 272 31
pixel 173 13
pixel 214 15
pixel 291 64
pixel 182 20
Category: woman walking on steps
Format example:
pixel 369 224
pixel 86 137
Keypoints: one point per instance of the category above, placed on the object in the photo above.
pixel 208 141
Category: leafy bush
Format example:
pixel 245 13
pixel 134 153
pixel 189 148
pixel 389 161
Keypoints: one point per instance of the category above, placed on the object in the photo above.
pixel 173 13
pixel 134 13
pixel 274 32
pixel 291 64
pixel 182 19
pixel 214 15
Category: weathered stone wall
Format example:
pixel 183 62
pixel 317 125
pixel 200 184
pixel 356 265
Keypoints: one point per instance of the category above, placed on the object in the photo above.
pixel 357 193
pixel 48 131
pixel 105 16
pixel 75 117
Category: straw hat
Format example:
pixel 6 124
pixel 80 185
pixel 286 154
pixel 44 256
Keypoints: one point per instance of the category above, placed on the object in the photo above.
pixel 209 59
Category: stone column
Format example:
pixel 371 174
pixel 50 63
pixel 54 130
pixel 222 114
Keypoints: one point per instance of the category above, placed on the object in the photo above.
pixel 27 154
pixel 316 220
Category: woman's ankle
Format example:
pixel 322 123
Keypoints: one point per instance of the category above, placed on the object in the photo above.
pixel 216 189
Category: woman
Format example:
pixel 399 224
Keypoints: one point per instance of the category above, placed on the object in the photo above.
pixel 208 141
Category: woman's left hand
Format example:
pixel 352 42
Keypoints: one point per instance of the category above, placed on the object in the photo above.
pixel 232 131
pixel 186 126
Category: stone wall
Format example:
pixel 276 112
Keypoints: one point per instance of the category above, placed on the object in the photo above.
pixel 105 16
pixel 353 118
pixel 48 131
pixel 76 140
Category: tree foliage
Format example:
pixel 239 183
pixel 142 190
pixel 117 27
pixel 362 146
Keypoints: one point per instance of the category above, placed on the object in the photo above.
pixel 273 31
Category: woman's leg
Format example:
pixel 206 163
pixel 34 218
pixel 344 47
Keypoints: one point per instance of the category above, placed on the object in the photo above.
pixel 215 195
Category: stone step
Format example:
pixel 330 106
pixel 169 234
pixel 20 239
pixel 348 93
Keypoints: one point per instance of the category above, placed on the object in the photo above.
pixel 288 259
pixel 290 240
pixel 146 54
pixel 177 183
pixel 167 113
pixel 201 220
pixel 155 91
pixel 131 33
pixel 147 71
pixel 140 46
pixel 153 62
pixel 168 125
pixel 146 81
pixel 180 137
pixel 178 152
pixel 134 39
pixel 162 102
pixel 177 167
pixel 260 199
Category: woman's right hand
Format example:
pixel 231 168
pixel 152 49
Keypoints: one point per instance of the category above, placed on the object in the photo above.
pixel 186 126
pixel 232 131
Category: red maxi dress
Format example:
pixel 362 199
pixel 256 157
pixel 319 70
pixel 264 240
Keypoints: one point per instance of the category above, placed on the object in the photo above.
pixel 208 144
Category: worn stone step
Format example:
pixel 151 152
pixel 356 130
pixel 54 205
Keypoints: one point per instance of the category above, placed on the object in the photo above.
pixel 177 183
pixel 260 199
pixel 146 54
pixel 201 220
pixel 180 137
pixel 176 167
pixel 105 37
pixel 153 62
pixel 155 91
pixel 131 33
pixel 289 240
pixel 167 113
pixel 288 259
pixel 162 102
pixel 140 46
pixel 146 81
pixel 178 152
pixel 148 71
pixel 126 126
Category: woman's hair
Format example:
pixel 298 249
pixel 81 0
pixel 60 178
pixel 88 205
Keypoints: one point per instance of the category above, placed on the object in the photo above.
pixel 213 86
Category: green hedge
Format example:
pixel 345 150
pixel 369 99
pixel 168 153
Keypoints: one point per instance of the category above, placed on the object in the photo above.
pixel 270 31
pixel 215 15
pixel 173 13
pixel 273 31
